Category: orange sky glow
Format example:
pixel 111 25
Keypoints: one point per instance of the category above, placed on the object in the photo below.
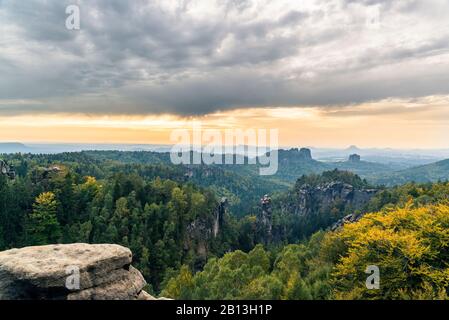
pixel 423 123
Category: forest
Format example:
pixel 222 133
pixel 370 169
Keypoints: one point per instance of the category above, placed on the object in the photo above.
pixel 203 232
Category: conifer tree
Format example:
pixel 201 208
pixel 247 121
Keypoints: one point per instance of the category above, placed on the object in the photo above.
pixel 42 224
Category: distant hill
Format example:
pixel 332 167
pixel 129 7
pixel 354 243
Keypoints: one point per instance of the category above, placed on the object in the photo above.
pixel 293 164
pixel 438 171
pixel 364 169
pixel 14 147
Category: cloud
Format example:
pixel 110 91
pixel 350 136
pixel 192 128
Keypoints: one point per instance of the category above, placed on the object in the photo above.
pixel 197 57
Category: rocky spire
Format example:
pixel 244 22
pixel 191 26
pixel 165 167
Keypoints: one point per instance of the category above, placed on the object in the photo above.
pixel 7 170
pixel 305 153
pixel 264 221
pixel 219 215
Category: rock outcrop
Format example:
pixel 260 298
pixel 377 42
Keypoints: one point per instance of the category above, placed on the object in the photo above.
pixel 7 170
pixel 310 200
pixel 305 153
pixel 264 221
pixel 219 215
pixel 313 205
pixel 354 158
pixel 350 218
pixel 70 272
pixel 201 232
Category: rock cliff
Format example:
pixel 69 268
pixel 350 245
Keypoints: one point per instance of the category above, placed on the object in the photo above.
pixel 350 218
pixel 310 200
pixel 265 222
pixel 305 153
pixel 319 202
pixel 354 158
pixel 70 272
pixel 7 170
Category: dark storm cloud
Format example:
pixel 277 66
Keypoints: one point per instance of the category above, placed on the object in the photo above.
pixel 196 57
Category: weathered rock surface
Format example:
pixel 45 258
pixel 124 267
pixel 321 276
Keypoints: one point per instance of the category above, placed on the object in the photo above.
pixel 52 272
pixel 7 170
pixel 322 205
pixel 311 200
pixel 305 153
pixel 201 232
pixel 125 286
pixel 350 218
pixel 264 221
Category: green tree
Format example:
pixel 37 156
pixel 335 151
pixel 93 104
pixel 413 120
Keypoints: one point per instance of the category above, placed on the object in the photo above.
pixel 181 286
pixel 42 224
pixel 266 287
pixel 296 288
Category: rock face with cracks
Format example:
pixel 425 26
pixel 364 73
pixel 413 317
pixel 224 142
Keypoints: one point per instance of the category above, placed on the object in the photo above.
pixel 70 272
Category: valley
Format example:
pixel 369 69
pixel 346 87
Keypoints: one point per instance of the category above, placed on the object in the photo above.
pixel 224 150
pixel 184 223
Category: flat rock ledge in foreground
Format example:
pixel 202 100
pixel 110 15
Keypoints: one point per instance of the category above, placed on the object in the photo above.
pixel 70 272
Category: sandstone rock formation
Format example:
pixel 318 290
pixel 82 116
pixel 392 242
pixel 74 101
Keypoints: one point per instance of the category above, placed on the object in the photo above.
pixel 70 272
pixel 219 215
pixel 7 170
pixel 310 200
pixel 305 154
pixel 264 221
pixel 202 231
pixel 354 158
pixel 315 205
pixel 350 218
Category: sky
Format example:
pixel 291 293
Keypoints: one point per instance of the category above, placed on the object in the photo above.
pixel 332 73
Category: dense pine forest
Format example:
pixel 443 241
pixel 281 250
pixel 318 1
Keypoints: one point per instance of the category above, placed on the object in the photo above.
pixel 216 232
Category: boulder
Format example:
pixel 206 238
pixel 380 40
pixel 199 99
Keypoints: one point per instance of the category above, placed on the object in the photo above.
pixel 73 271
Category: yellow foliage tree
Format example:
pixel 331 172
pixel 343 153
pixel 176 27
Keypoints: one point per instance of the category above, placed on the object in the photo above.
pixel 410 246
